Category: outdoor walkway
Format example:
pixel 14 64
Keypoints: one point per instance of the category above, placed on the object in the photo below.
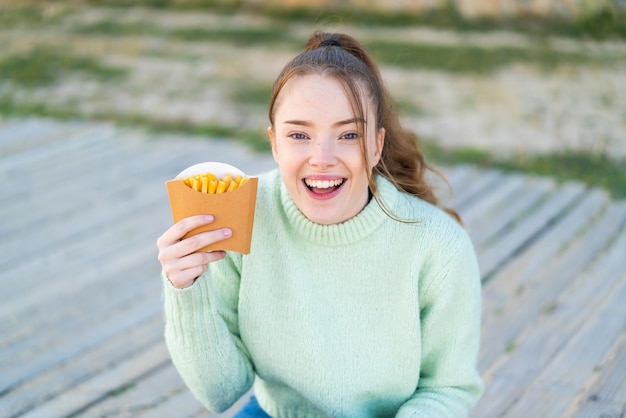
pixel 81 335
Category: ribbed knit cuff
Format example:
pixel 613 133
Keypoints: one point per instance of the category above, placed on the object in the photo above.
pixel 187 312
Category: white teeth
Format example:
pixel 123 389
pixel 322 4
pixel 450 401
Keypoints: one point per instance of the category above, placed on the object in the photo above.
pixel 323 184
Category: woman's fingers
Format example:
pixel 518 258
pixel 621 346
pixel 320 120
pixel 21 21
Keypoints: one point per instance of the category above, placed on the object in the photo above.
pixel 183 271
pixel 201 240
pixel 180 259
pixel 177 231
pixel 192 267
pixel 197 259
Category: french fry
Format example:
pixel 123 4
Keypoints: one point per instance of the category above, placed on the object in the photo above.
pixel 195 184
pixel 232 186
pixel 212 186
pixel 209 183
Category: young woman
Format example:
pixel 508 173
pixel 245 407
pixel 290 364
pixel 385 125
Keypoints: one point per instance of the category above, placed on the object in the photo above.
pixel 360 296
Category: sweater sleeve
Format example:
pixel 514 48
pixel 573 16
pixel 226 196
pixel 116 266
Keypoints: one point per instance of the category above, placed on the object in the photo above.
pixel 450 310
pixel 202 336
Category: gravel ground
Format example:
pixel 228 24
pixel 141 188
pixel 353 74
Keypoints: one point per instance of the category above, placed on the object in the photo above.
pixel 519 109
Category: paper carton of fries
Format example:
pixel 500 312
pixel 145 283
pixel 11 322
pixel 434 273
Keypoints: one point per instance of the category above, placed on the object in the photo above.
pixel 220 190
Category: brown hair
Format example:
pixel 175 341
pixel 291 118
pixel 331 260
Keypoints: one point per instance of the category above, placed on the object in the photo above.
pixel 345 59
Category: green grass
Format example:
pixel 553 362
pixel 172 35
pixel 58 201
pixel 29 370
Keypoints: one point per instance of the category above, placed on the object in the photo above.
pixel 240 36
pixel 604 23
pixel 256 140
pixel 473 59
pixel 246 94
pixel 10 108
pixel 28 16
pixel 410 55
pixel 43 66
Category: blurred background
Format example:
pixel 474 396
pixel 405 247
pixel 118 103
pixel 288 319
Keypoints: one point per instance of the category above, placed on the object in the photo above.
pixel 531 85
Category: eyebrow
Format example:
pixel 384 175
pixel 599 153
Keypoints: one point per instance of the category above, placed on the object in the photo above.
pixel 336 124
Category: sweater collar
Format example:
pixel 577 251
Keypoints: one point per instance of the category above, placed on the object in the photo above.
pixel 348 232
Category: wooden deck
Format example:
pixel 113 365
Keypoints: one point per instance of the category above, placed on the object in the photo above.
pixel 81 331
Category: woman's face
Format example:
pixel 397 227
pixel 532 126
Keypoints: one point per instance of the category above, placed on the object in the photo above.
pixel 316 144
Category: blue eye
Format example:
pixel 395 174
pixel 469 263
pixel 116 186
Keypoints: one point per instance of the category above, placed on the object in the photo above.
pixel 298 136
pixel 351 136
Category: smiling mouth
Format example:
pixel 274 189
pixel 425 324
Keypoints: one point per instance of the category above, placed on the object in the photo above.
pixel 323 186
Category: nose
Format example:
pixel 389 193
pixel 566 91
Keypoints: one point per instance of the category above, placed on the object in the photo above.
pixel 323 154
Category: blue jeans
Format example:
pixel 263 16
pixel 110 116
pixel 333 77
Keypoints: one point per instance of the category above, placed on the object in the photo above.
pixel 252 410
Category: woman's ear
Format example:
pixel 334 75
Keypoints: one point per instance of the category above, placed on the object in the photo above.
pixel 380 142
pixel 272 137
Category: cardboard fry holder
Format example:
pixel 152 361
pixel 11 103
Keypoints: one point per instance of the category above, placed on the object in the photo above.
pixel 234 210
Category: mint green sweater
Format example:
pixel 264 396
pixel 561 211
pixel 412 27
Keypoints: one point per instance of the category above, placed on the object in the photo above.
pixel 368 318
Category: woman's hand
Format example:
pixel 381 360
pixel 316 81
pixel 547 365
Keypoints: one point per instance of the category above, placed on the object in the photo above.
pixel 176 255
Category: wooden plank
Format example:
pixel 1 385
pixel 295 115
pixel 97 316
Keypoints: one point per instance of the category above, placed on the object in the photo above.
pixel 72 307
pixel 22 362
pixel 482 182
pixel 179 403
pixel 492 224
pixel 11 130
pixel 150 393
pixel 34 158
pixel 55 234
pixel 567 375
pixel 162 394
pixel 544 336
pixel 47 132
pixel 502 326
pixel 78 257
pixel 459 177
pixel 105 384
pixel 607 396
pixel 81 215
pixel 47 178
pixel 87 365
pixel 501 251
pixel 536 257
pixel 88 189
pixel 19 366
pixel 18 134
pixel 498 195
pixel 130 253
pixel 113 230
